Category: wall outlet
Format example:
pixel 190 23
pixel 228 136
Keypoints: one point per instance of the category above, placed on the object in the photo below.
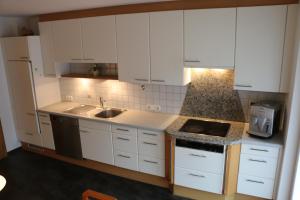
pixel 153 108
pixel 69 98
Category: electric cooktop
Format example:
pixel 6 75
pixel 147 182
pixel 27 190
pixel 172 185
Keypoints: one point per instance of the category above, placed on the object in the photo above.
pixel 205 127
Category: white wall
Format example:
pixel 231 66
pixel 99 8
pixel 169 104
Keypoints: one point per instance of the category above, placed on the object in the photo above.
pixel 9 26
pixel 290 153
pixel 296 191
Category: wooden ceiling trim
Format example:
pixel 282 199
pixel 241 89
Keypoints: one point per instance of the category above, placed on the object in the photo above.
pixel 160 6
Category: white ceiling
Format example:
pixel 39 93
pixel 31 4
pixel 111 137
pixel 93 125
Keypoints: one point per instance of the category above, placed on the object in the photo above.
pixel 36 7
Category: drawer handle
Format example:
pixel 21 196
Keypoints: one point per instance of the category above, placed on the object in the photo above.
pixel 141 79
pixel 45 123
pixel 149 143
pixel 254 160
pixel 125 139
pixel 263 150
pixel 152 162
pixel 83 131
pixel 241 85
pixel 193 61
pixel 196 175
pixel 152 134
pixel 88 59
pixel 252 181
pixel 45 116
pixel 121 129
pixel 25 57
pixel 160 81
pixel 199 156
pixel 27 133
pixel 76 59
pixel 30 114
pixel 120 155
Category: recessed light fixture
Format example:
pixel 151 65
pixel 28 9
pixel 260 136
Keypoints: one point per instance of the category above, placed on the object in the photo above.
pixel 2 182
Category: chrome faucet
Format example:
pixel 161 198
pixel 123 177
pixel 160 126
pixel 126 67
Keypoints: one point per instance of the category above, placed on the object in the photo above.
pixel 101 102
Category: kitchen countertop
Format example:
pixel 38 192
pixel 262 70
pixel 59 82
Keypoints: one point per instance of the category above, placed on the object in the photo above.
pixel 135 118
pixel 234 135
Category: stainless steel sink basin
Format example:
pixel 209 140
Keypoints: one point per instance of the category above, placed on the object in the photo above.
pixel 109 113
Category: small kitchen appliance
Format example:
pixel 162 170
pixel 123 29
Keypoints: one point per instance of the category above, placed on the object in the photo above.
pixel 264 119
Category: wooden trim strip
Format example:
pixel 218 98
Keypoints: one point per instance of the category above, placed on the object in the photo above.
pixel 160 6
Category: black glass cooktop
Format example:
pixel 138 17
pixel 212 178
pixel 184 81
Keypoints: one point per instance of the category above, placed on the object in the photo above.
pixel 205 127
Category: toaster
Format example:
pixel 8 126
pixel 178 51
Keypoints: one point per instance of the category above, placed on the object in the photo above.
pixel 264 119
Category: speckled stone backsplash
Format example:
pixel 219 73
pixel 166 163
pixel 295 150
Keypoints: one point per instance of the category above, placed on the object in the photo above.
pixel 211 94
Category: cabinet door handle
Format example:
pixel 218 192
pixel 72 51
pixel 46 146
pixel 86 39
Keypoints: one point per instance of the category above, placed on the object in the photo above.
pixel 263 150
pixel 193 61
pixel 252 181
pixel 30 114
pixel 88 59
pixel 76 59
pixel 27 133
pixel 152 162
pixel 149 143
pixel 196 155
pixel 254 160
pixel 125 139
pixel 45 123
pixel 44 116
pixel 196 175
pixel 83 131
pixel 121 129
pixel 141 79
pixel 120 155
pixel 24 57
pixel 241 85
pixel 151 134
pixel 160 81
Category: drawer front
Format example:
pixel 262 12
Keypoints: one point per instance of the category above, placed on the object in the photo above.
pixel 124 130
pixel 94 125
pixel 254 186
pixel 208 182
pixel 153 148
pixel 152 166
pixel 44 117
pixel 126 160
pixel 124 142
pixel 47 135
pixel 258 166
pixel 199 160
pixel 158 136
pixel 97 145
pixel 260 150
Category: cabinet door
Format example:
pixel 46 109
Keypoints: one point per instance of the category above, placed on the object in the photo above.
pixel 67 41
pixel 99 39
pixel 133 47
pixel 166 42
pixel 16 48
pixel 46 37
pixel 259 47
pixel 97 145
pixel 209 37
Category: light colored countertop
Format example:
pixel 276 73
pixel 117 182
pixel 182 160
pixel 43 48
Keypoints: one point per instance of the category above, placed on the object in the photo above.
pixel 275 141
pixel 234 135
pixel 135 118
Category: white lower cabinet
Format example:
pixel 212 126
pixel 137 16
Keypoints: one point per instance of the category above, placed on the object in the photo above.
pixel 96 141
pixel 151 165
pixel 126 160
pixel 257 171
pixel 124 142
pixel 46 131
pixel 199 180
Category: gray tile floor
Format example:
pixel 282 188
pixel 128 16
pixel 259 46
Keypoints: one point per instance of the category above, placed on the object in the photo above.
pixel 34 177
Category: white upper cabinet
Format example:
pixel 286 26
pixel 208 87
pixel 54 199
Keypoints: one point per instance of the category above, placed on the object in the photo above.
pixel 67 40
pixel 209 38
pixel 47 48
pixel 259 47
pixel 166 48
pixel 133 47
pixel 16 48
pixel 99 39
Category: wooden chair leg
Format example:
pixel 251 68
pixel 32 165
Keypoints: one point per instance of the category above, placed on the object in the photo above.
pixel 96 195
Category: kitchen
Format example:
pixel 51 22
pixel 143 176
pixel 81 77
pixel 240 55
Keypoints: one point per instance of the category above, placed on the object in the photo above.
pixel 190 96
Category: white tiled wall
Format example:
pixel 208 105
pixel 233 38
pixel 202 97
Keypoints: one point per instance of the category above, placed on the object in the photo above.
pixel 124 95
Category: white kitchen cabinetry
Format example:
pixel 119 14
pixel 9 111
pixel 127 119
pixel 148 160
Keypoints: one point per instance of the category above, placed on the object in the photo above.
pixel 259 47
pixel 46 36
pixel 209 38
pixel 96 141
pixel 257 171
pixel 99 39
pixel 16 48
pixel 166 48
pixel 46 131
pixel 133 47
pixel 67 40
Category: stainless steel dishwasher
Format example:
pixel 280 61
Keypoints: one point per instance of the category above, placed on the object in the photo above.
pixel 66 136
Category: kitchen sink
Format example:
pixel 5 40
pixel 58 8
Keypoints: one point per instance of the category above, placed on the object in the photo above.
pixel 109 113
pixel 80 109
